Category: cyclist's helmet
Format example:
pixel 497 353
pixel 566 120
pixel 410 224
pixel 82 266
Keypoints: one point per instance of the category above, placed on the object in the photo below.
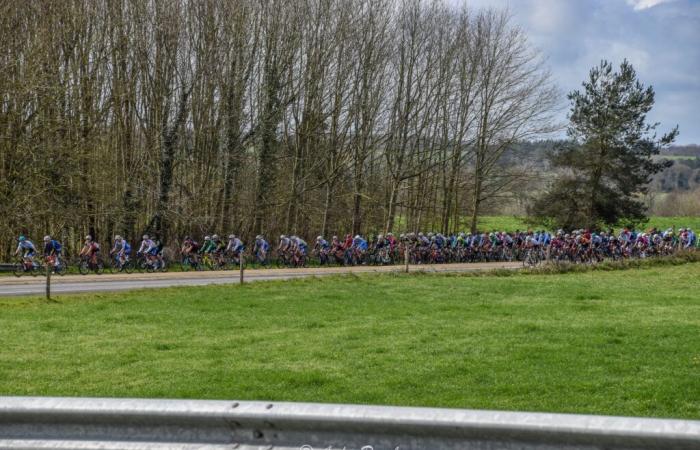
pixel 117 238
pixel 207 238
pixel 282 236
pixel 187 238
pixel 258 237
pixel 389 234
pixel 145 237
pixel 335 238
pixel 358 237
pixel 88 238
pixel 215 236
pixel 232 236
pixel 319 238
pixel 47 238
pixel 22 238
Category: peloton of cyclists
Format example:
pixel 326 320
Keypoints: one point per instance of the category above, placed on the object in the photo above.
pixel 576 245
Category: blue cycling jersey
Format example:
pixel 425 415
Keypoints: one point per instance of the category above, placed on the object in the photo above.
pixel 52 245
pixel 361 244
pixel 262 244
pixel 27 247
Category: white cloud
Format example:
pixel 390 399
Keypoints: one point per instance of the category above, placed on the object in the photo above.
pixel 551 16
pixel 640 5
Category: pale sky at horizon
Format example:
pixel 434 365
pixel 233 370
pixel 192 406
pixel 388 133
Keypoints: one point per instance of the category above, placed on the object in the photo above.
pixel 661 38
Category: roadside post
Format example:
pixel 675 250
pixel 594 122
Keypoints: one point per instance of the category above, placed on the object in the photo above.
pixel 48 280
pixel 240 262
pixel 406 256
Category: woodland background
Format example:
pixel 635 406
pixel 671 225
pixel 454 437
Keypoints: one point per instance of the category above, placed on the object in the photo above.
pixel 268 116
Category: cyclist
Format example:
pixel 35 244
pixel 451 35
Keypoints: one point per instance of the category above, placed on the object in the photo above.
pixel 360 245
pixel 381 242
pixel 121 250
pixel 323 248
pixel 90 250
pixel 337 249
pixel 392 241
pixel 28 250
pixel 189 249
pixel 285 244
pixel 159 251
pixel 52 251
pixel 299 245
pixel 148 248
pixel 208 246
pixel 218 250
pixel 260 249
pixel 235 246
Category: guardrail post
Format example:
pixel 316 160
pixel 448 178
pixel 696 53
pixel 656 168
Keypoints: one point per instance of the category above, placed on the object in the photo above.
pixel 48 280
pixel 240 262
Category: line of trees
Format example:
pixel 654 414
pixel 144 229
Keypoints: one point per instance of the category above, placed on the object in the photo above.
pixel 260 116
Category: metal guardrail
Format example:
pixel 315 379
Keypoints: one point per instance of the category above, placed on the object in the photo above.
pixel 40 422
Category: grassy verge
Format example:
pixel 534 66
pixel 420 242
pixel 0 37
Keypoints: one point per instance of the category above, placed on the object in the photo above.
pixel 619 342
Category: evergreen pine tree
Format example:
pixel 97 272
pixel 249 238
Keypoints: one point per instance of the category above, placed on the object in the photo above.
pixel 607 163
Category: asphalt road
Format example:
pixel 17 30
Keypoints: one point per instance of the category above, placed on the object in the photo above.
pixel 27 285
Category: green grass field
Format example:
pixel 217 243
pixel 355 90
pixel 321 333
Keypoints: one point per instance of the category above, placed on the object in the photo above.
pixel 511 223
pixel 621 342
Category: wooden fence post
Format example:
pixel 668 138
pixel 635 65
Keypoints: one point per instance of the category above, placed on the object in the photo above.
pixel 48 280
pixel 241 262
pixel 406 256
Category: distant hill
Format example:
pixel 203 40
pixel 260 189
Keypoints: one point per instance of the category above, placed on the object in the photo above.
pixel 683 150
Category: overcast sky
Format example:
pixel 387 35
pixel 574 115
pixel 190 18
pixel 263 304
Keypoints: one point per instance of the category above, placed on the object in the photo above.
pixel 661 38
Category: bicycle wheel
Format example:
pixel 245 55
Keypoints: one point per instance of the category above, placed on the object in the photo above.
pixel 36 269
pixel 61 268
pixel 84 267
pixel 18 269
pixel 208 263
pixel 186 264
pixel 141 264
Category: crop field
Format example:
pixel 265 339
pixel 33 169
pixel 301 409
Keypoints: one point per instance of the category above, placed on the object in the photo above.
pixel 619 342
